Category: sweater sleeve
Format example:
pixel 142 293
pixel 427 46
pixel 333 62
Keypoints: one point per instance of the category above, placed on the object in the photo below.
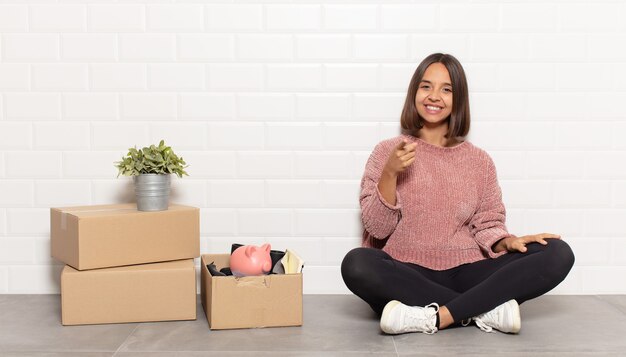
pixel 379 217
pixel 488 223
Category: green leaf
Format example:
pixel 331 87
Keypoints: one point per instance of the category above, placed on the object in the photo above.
pixel 159 159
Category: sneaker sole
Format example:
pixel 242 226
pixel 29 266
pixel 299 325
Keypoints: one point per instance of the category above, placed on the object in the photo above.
pixel 514 316
pixel 385 316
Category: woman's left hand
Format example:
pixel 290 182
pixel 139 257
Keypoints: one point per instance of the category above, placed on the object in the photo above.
pixel 518 244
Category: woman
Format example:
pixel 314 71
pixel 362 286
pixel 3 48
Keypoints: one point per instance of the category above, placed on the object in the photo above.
pixel 436 251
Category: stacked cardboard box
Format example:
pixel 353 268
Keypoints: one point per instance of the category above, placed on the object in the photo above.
pixel 124 265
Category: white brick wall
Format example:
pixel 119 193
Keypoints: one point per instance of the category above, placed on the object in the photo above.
pixel 115 18
pixel 90 106
pixel 277 106
pixel 14 76
pixel 13 18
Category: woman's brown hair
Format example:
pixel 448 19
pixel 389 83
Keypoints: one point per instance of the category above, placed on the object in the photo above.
pixel 459 120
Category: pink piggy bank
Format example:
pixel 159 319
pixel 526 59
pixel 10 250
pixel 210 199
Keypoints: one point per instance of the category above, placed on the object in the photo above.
pixel 251 260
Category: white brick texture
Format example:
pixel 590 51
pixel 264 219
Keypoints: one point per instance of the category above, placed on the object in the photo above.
pixel 33 164
pixel 350 17
pixel 257 164
pixel 474 17
pixel 28 221
pixel 66 193
pixel 236 77
pixel 205 47
pixel 34 106
pixel 322 47
pixel 381 47
pixel 265 47
pixel 3 222
pixel 211 164
pixel 265 106
pixel 16 193
pixel 277 105
pixel 15 135
pixel 114 18
pixel 35 47
pixel 118 76
pixel 14 76
pixel 179 17
pixel 207 106
pixel 233 136
pixel 234 17
pixel 218 222
pixel 90 106
pixel 272 222
pixel 56 136
pixel 13 18
pixel 147 47
pixel 58 17
pixel 184 136
pixel 4 280
pixel 528 17
pixel 176 77
pixel 294 136
pixel 89 47
pixel 294 77
pixel 403 17
pixel 293 17
pixel 59 77
pixel 119 190
pixel 148 106
pixel 300 193
pixel 236 193
pixel 17 251
pixel 323 107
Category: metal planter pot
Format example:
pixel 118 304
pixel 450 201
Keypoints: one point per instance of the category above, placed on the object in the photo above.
pixel 152 192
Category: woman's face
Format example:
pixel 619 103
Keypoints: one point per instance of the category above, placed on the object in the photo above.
pixel 434 94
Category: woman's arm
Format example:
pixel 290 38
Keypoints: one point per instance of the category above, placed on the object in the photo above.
pixel 401 157
pixel 380 202
pixel 488 223
pixel 518 244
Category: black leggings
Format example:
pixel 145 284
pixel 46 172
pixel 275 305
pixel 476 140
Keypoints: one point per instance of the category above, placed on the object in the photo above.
pixel 467 290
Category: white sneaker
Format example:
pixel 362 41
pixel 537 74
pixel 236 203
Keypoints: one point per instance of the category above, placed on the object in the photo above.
pixel 399 318
pixel 505 318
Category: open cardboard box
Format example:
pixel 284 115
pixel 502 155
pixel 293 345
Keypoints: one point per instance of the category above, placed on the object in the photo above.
pixel 137 293
pixel 91 237
pixel 254 301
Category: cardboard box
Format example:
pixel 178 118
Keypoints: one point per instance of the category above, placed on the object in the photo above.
pixel 252 301
pixel 91 237
pixel 138 293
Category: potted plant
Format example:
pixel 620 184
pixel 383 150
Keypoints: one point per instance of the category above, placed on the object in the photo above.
pixel 150 168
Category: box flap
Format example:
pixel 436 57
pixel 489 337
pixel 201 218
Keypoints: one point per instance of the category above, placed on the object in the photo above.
pixel 117 209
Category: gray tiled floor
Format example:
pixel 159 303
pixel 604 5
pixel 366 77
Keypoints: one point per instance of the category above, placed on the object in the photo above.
pixel 334 325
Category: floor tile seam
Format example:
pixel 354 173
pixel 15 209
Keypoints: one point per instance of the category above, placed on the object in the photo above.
pixel 49 350
pixel 497 350
pixel 395 347
pixel 256 351
pixel 125 340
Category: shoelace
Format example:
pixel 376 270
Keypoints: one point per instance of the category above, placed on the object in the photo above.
pixel 490 315
pixel 417 320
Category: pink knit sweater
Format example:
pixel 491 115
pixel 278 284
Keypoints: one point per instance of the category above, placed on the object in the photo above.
pixel 449 208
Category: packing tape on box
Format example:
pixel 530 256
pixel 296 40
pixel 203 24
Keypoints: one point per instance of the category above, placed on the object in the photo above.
pixel 65 213
pixel 253 281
